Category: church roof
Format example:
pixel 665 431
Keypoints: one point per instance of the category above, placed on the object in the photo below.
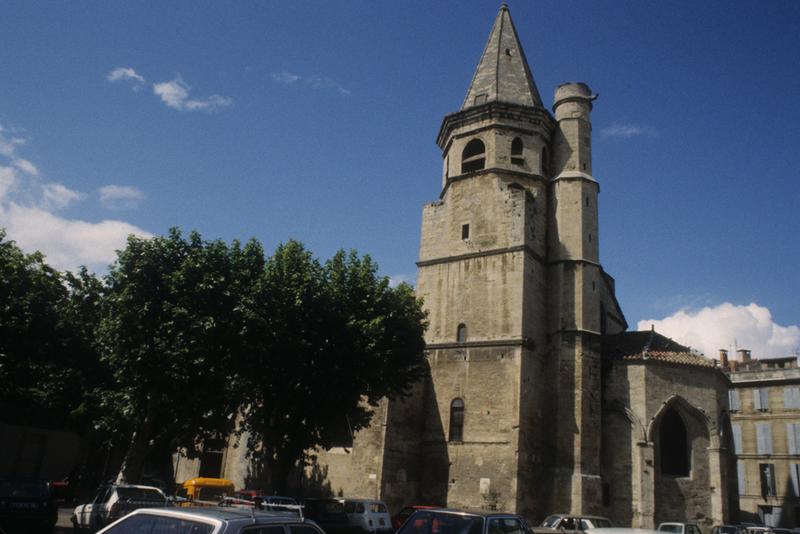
pixel 503 74
pixel 650 345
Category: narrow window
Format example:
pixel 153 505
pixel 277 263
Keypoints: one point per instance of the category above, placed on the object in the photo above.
pixel 461 333
pixel 792 438
pixel 767 479
pixel 794 475
pixel 474 156
pixel 737 438
pixel 457 420
pixel 465 231
pixel 791 397
pixel 761 399
pixel 674 447
pixel 516 152
pixel 741 477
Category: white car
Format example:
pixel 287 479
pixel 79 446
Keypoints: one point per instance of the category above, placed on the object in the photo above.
pixel 679 528
pixel 113 501
pixel 368 516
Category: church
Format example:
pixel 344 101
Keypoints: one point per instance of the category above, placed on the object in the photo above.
pixel 537 399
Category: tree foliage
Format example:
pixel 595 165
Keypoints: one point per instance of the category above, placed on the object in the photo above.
pixel 325 343
pixel 170 334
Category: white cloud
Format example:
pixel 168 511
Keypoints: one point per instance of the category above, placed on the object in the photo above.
pixel 627 130
pixel 126 74
pixel 120 197
pixel 57 196
pixel 397 279
pixel 25 166
pixel 27 213
pixel 66 243
pixel 8 181
pixel 313 81
pixel 720 327
pixel 175 94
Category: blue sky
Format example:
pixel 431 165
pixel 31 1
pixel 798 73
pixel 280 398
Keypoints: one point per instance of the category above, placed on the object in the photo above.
pixel 317 121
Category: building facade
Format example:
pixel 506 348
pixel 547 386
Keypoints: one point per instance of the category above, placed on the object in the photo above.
pixel 765 417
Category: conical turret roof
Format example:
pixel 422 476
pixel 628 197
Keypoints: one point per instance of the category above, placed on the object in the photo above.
pixel 503 74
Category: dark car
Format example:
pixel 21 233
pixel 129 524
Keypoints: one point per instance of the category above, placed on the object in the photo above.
pixel 26 505
pixel 403 514
pixel 210 520
pixel 328 514
pixel 446 521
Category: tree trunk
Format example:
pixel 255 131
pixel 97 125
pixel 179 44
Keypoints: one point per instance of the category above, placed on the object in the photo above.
pixel 280 467
pixel 133 465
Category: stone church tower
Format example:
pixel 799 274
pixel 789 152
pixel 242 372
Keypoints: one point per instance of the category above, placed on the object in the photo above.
pixel 509 272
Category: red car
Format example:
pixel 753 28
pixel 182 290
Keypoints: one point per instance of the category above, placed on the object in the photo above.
pixel 402 515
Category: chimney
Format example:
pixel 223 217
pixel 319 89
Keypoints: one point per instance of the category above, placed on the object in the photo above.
pixel 723 358
pixel 743 355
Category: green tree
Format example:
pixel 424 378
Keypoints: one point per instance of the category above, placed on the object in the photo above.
pixel 170 330
pixel 325 344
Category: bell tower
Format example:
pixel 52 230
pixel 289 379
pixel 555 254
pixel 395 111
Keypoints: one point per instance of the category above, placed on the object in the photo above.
pixel 482 273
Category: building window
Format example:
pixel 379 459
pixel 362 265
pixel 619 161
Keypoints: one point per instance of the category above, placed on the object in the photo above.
pixel 794 476
pixel 474 156
pixel 761 399
pixel 764 438
pixel 457 420
pixel 675 451
pixel 791 398
pixel 792 437
pixel 741 477
pixel 737 438
pixel 767 479
pixel 464 232
pixel 516 152
pixel 734 402
pixel 461 333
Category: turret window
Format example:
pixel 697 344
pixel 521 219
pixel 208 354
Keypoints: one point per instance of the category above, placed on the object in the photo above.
pixel 456 420
pixel 474 156
pixel 517 157
pixel 461 333
pixel 464 232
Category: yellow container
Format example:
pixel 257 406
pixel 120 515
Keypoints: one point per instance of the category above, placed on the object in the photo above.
pixel 206 491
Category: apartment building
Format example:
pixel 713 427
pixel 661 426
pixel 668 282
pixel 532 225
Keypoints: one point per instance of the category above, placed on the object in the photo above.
pixel 765 421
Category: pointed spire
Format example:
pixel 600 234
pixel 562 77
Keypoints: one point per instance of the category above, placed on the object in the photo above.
pixel 503 74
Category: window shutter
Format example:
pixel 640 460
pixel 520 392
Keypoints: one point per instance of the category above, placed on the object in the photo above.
pixel 737 438
pixel 795 397
pixel 788 398
pixel 764 394
pixel 756 400
pixel 764 436
pixel 791 438
pixel 741 477
pixel 733 400
pixel 797 438
pixel 794 474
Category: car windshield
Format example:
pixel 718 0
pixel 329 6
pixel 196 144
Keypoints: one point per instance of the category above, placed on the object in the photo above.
pixel 22 488
pixel 670 528
pixel 425 522
pixel 139 494
pixel 602 523
pixel 551 521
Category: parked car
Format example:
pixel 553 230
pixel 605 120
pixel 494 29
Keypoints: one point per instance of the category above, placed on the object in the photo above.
pixel 620 530
pixel 26 505
pixel 402 515
pixel 727 529
pixel 679 528
pixel 446 521
pixel 210 520
pixel 113 501
pixel 368 515
pixel 571 523
pixel 328 514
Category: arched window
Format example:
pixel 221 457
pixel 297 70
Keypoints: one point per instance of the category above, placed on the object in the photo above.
pixel 516 152
pixel 456 420
pixel 474 156
pixel 461 333
pixel 673 440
